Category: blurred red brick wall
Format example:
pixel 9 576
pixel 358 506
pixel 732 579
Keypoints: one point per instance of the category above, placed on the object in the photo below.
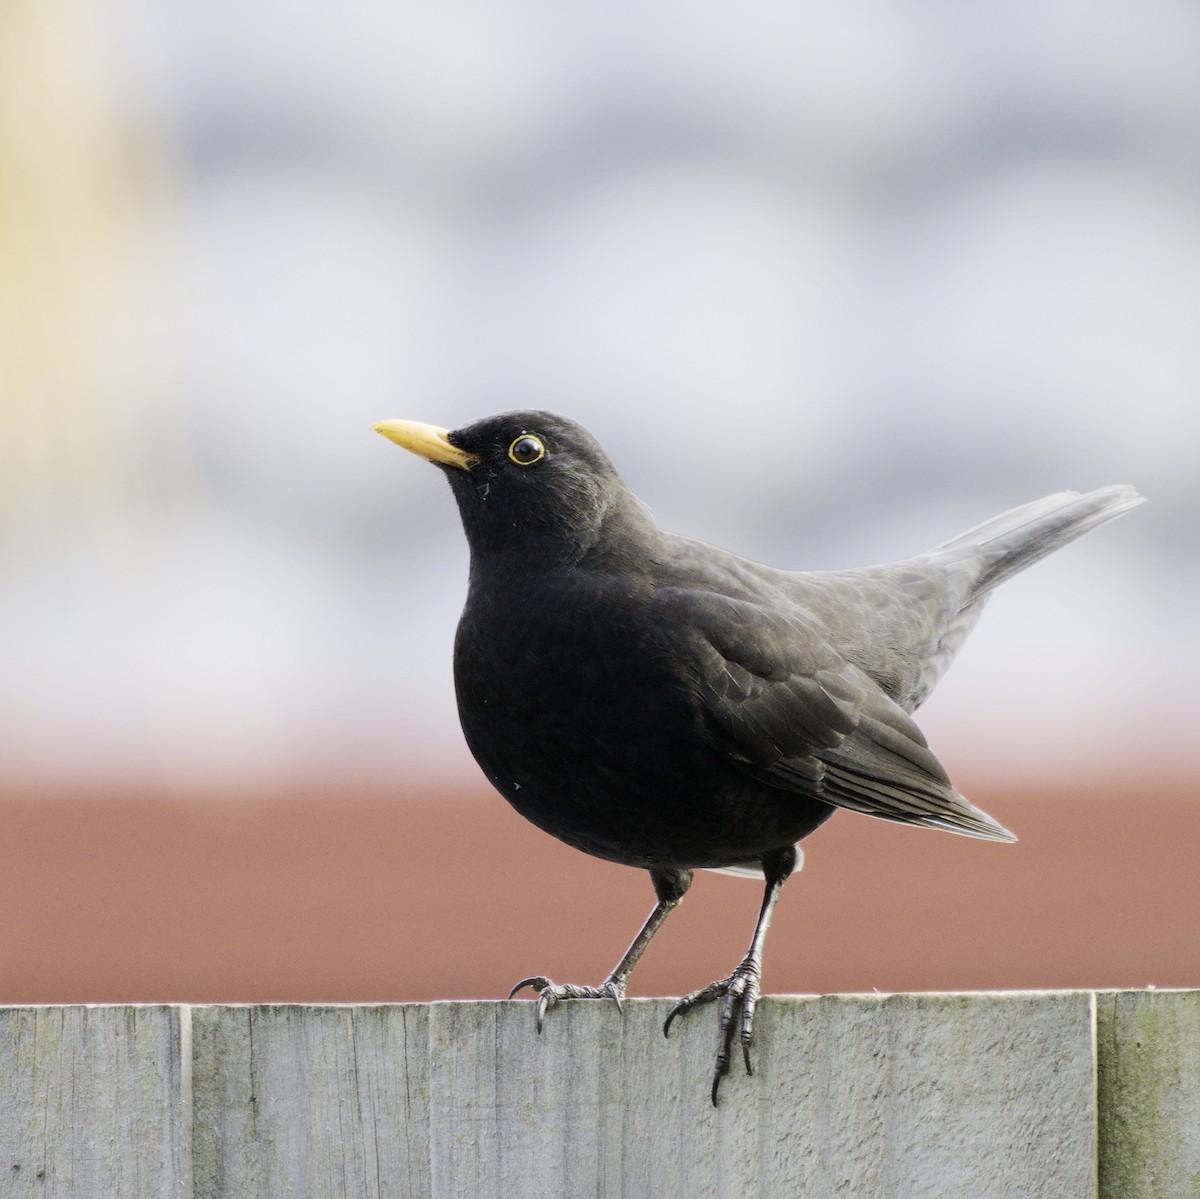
pixel 446 893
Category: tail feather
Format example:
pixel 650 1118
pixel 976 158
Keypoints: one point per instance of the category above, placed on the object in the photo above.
pixel 1010 542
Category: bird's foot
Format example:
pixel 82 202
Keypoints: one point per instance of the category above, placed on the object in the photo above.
pixel 739 995
pixel 549 993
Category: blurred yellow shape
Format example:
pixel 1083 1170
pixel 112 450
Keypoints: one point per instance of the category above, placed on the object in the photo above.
pixel 81 336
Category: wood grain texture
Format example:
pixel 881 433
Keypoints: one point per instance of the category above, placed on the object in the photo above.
pixel 303 1101
pixel 978 1095
pixel 91 1103
pixel 1148 1059
pixel 932 1095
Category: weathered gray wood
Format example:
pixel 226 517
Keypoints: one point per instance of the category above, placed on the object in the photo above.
pixel 310 1102
pixel 954 1095
pixel 903 1095
pixel 90 1103
pixel 1148 1065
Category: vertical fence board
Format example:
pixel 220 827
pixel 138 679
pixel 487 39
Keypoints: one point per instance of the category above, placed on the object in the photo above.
pixel 308 1102
pixel 91 1103
pixel 1148 1064
pixel 902 1095
pixel 935 1095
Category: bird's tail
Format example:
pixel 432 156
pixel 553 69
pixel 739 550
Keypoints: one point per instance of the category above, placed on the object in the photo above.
pixel 1022 536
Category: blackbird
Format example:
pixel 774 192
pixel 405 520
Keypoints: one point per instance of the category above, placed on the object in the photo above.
pixel 659 702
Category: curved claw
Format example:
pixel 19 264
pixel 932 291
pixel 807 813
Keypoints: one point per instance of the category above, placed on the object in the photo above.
pixel 677 1010
pixel 546 1000
pixel 539 982
pixel 695 999
pixel 616 995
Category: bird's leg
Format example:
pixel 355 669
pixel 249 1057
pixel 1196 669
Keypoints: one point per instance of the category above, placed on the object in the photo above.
pixel 740 991
pixel 670 886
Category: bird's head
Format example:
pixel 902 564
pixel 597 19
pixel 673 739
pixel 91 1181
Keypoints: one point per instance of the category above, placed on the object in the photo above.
pixel 526 480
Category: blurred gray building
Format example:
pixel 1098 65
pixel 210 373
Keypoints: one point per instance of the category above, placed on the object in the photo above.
pixel 829 282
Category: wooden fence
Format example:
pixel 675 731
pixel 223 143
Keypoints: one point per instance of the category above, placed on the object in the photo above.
pixel 1055 1094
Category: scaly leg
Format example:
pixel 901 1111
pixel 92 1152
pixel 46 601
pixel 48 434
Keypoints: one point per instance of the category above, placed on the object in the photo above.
pixel 670 886
pixel 740 991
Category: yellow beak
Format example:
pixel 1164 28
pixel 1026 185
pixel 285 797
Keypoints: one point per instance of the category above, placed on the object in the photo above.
pixel 426 441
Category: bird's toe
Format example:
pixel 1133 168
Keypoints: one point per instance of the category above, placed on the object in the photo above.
pixel 739 995
pixel 550 992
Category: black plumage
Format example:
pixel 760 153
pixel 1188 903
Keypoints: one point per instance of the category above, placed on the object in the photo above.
pixel 662 703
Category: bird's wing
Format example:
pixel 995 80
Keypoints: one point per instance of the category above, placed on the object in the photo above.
pixel 796 715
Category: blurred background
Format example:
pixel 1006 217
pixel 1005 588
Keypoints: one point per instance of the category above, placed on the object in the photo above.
pixel 829 283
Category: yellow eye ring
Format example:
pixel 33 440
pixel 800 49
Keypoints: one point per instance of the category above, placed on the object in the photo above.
pixel 526 450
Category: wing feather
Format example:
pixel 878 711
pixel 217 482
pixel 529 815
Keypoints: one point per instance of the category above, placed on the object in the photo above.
pixel 798 716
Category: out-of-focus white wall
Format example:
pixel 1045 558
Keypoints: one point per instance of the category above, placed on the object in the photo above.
pixel 829 282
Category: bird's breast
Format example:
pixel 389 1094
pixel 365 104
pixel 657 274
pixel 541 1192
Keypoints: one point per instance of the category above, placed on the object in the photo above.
pixel 593 733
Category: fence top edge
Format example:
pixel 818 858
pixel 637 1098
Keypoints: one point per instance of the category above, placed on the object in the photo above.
pixel 932 998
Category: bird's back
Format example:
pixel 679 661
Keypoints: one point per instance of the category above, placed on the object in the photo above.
pixel 903 622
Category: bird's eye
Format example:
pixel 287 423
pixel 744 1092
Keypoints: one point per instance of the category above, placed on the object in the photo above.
pixel 526 450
